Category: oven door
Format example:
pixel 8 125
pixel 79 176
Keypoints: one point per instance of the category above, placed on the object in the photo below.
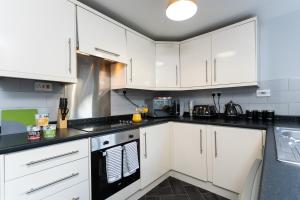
pixel 101 189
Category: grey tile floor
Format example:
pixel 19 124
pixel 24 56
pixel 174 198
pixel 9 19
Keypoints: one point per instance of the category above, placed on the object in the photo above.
pixel 173 189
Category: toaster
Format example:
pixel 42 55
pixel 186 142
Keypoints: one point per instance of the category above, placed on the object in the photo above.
pixel 204 111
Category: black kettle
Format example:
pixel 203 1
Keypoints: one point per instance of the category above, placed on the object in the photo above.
pixel 233 110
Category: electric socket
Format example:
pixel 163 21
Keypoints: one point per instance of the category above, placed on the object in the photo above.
pixel 263 93
pixel 43 86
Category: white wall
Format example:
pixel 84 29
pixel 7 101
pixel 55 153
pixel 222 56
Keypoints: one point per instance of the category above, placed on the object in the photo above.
pixel 280 45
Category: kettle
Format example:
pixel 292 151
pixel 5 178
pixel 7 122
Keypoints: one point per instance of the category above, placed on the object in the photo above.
pixel 233 110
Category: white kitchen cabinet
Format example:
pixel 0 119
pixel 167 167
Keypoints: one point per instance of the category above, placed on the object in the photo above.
pixel 77 192
pixel 195 60
pixel 155 152
pixel 234 55
pixel 38 40
pixel 48 182
pixel 189 149
pixel 167 65
pixel 30 161
pixel 234 152
pixel 100 37
pixel 141 63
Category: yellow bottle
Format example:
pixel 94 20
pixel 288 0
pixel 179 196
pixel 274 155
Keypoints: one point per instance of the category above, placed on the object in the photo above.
pixel 136 117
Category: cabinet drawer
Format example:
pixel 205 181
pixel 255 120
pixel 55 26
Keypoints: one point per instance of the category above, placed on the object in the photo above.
pixel 31 161
pixel 48 182
pixel 77 192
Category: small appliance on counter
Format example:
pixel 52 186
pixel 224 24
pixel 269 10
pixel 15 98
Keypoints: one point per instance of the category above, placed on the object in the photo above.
pixel 204 111
pixel 163 107
pixel 264 115
pixel 233 110
pixel 63 111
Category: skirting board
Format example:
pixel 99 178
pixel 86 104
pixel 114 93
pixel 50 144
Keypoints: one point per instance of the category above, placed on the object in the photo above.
pixel 201 184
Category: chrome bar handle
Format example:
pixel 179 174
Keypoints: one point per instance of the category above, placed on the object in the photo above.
pixel 70 56
pixel 51 158
pixel 33 190
pixel 201 145
pixel 206 71
pixel 176 75
pixel 130 69
pixel 215 69
pixel 216 149
pixel 75 198
pixel 145 152
pixel 107 52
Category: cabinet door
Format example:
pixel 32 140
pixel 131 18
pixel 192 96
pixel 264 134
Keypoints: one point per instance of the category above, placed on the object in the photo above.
pixel 234 152
pixel 195 60
pixel 38 40
pixel 76 192
pixel 155 152
pixel 234 55
pixel 167 65
pixel 189 150
pixel 99 37
pixel 141 54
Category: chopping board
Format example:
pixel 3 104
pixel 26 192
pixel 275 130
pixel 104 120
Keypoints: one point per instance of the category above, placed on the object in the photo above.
pixel 16 121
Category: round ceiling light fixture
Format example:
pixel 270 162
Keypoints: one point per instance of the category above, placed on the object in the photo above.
pixel 180 10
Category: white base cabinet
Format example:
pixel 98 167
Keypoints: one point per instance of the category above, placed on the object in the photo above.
pixel 189 150
pixel 155 152
pixel 38 40
pixel 234 152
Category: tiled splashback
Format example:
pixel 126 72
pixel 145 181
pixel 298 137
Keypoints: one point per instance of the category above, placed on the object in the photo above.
pixel 20 94
pixel 284 99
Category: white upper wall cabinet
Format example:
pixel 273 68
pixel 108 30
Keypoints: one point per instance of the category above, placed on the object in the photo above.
pixel 234 55
pixel 195 58
pixel 38 40
pixel 167 65
pixel 141 61
pixel 99 37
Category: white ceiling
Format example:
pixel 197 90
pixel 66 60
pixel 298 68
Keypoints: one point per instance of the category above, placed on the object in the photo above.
pixel 148 16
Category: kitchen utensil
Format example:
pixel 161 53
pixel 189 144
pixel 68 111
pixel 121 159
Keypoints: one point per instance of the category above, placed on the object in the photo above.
pixel 256 114
pixel 233 110
pixel 249 114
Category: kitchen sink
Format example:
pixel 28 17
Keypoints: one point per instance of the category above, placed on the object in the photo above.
pixel 288 144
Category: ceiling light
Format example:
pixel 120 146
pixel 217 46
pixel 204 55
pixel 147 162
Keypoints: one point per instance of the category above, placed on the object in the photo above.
pixel 180 10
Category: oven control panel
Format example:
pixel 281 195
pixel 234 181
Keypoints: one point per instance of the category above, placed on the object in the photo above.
pixel 116 138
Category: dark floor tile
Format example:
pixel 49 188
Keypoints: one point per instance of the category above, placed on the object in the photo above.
pixel 177 186
pixel 142 198
pixel 174 197
pixel 153 198
pixel 165 183
pixel 160 191
pixel 210 196
pixel 202 191
pixel 193 193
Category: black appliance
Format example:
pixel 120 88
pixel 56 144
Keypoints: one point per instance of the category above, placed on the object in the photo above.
pixel 101 189
pixel 204 111
pixel 233 110
pixel 163 107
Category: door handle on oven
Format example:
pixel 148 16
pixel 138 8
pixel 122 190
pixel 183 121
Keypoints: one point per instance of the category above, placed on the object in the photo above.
pixel 145 152
pixel 51 158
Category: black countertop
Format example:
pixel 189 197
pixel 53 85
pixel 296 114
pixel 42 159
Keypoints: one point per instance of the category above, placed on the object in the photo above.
pixel 280 181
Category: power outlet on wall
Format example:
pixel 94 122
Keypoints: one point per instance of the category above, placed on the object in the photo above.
pixel 43 86
pixel 263 93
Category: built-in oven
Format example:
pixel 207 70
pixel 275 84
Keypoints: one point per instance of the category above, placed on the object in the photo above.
pixel 102 186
